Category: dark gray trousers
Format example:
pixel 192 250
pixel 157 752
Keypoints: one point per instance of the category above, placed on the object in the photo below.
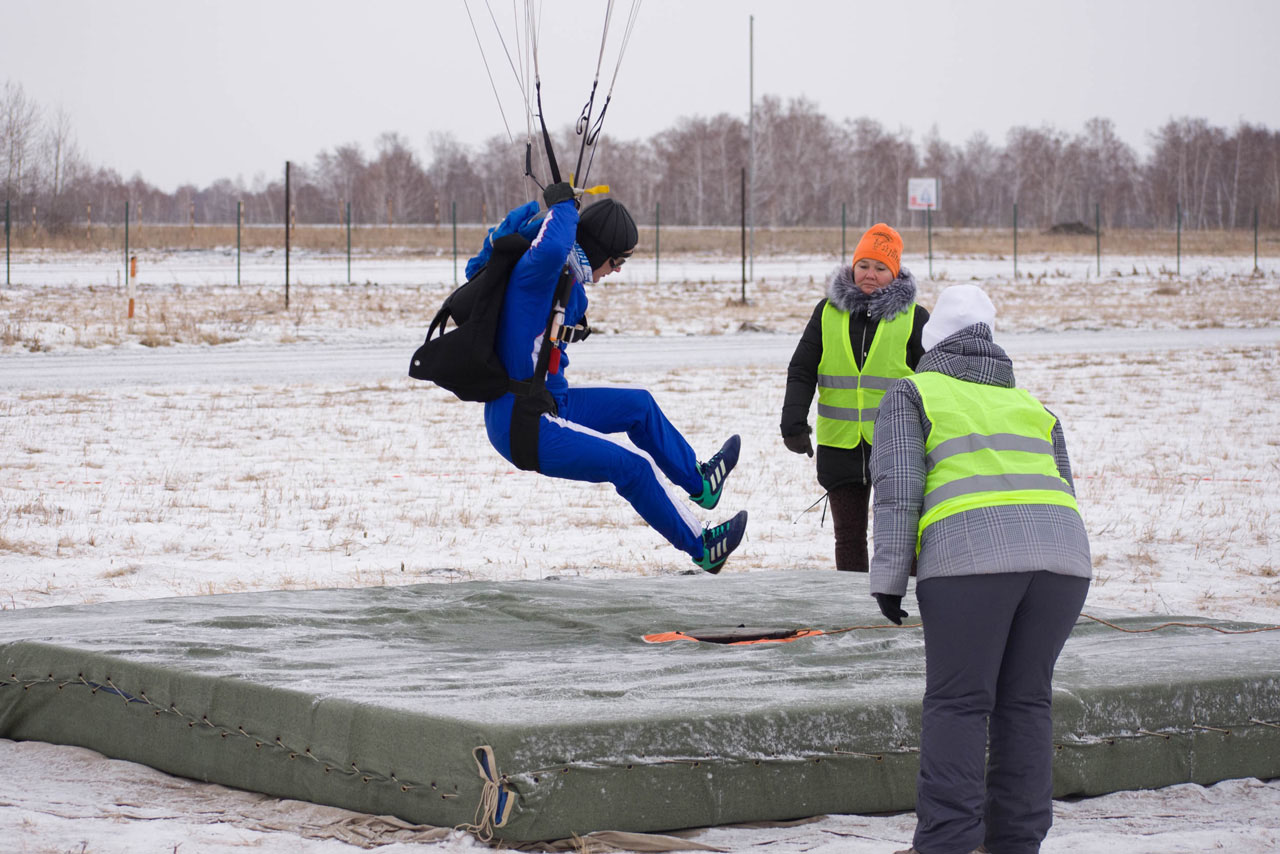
pixel 991 643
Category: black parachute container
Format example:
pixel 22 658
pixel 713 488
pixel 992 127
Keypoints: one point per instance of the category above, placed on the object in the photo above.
pixel 463 360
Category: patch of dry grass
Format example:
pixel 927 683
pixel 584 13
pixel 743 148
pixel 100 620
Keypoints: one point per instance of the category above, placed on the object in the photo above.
pixel 430 240
pixel 46 317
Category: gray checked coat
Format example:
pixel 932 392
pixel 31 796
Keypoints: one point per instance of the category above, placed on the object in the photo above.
pixel 1016 538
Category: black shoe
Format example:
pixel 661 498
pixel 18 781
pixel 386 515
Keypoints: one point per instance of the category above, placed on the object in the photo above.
pixel 714 472
pixel 719 542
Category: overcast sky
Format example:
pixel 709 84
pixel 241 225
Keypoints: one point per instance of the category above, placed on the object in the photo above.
pixel 193 91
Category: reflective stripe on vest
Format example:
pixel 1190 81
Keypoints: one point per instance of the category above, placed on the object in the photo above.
pixel 848 399
pixel 987 446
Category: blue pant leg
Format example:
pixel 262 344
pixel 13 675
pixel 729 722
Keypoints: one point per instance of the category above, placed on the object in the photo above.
pixel 966 622
pixel 1019 801
pixel 633 411
pixel 572 451
pixel 497 424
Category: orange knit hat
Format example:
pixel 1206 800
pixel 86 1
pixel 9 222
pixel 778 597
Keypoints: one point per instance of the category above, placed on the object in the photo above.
pixel 880 243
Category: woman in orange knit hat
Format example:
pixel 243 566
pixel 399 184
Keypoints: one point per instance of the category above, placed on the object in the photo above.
pixel 864 335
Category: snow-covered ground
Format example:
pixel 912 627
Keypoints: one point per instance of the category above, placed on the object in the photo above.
pixel 294 453
pixel 194 268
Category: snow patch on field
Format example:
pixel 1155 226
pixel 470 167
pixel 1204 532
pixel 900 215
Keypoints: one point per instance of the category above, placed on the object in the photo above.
pixel 287 449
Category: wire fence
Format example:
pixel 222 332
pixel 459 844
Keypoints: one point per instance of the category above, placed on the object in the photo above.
pixel 452 242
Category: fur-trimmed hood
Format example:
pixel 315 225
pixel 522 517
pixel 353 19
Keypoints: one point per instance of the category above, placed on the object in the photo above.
pixel 889 301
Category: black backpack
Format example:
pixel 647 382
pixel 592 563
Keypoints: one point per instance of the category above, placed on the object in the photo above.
pixel 463 360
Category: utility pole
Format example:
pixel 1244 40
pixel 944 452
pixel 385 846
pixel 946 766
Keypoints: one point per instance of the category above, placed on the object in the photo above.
pixel 751 133
pixel 744 234
pixel 287 202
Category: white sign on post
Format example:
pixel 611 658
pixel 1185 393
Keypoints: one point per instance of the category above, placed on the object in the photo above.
pixel 922 194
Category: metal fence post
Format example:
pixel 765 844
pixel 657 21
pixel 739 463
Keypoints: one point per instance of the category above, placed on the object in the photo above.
pixel 455 242
pixel 239 222
pixel 928 219
pixel 657 241
pixel 287 200
pixel 744 234
pixel 1179 238
pixel 1097 233
pixel 348 243
pixel 1015 240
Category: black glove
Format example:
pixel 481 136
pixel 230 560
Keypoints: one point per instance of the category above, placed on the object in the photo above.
pixel 891 607
pixel 556 193
pixel 799 443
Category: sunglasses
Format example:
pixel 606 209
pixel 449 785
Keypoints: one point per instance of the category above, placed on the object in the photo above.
pixel 617 263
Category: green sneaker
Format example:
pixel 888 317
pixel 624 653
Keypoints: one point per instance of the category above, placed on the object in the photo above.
pixel 719 542
pixel 714 472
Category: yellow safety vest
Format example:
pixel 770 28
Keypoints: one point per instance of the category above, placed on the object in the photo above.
pixel 988 446
pixel 848 398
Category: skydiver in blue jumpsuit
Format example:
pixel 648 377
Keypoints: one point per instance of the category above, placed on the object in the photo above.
pixel 573 441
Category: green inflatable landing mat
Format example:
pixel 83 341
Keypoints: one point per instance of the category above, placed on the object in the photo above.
pixel 537 710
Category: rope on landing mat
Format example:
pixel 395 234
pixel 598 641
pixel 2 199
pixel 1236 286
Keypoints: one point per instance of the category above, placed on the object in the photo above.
pixel 1183 625
pixel 798 634
pixel 493 809
pixel 1109 625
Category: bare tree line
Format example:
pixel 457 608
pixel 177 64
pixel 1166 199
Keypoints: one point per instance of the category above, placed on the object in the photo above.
pixel 809 170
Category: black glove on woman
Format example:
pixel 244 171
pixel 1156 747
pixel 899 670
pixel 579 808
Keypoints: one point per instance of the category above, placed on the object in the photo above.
pixel 799 443
pixel 891 607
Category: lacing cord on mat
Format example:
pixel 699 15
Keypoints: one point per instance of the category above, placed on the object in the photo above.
pixel 1109 625
pixel 1183 625
pixel 798 634
pixel 875 626
pixel 493 810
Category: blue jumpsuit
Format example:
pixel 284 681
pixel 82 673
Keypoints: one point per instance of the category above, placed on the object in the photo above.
pixel 573 443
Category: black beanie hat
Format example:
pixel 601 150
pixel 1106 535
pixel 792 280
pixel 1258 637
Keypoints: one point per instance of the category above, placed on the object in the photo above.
pixel 606 230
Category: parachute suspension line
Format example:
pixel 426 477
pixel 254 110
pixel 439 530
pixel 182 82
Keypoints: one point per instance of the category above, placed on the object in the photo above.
pixel 528 70
pixel 546 140
pixel 583 126
pixel 526 87
pixel 503 42
pixel 626 39
pixel 591 135
pixel 542 118
pixel 485 60
pixel 520 72
pixel 528 76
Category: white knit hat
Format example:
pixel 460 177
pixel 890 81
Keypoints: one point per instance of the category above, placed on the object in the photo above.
pixel 957 307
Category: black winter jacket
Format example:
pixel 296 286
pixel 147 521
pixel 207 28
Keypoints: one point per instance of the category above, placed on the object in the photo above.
pixel 839 466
